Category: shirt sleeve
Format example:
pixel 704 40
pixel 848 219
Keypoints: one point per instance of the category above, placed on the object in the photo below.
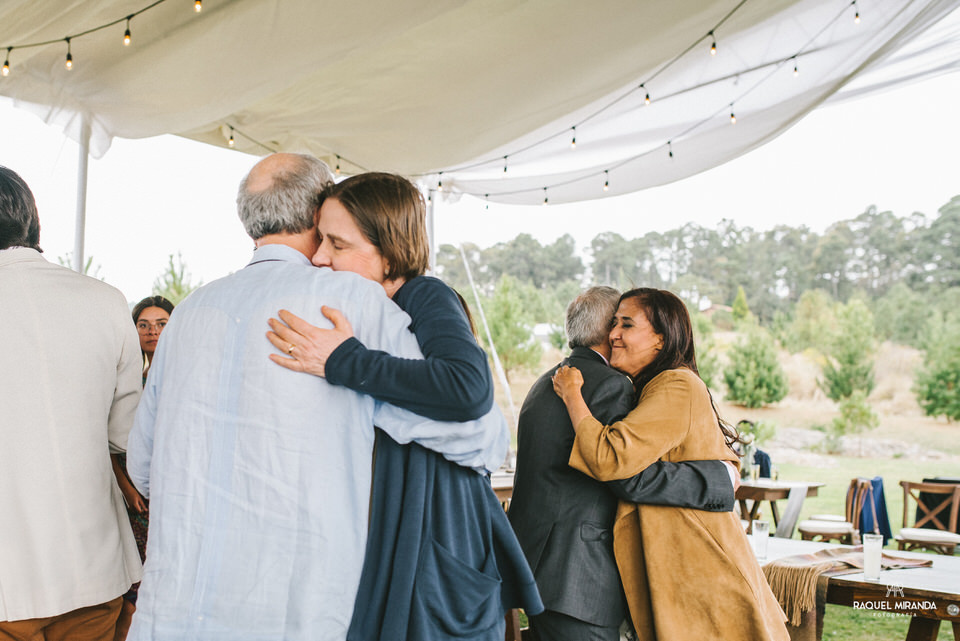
pixel 126 394
pixel 701 485
pixel 658 423
pixel 452 382
pixel 480 444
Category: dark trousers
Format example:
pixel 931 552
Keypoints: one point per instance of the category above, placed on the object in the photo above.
pixel 555 626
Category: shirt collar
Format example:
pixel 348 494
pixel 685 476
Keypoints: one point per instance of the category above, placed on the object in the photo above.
pixel 605 360
pixel 277 251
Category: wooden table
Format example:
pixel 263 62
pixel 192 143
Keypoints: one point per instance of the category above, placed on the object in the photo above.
pixel 771 491
pixel 937 586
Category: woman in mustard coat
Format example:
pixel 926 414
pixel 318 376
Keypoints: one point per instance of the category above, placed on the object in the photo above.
pixel 687 574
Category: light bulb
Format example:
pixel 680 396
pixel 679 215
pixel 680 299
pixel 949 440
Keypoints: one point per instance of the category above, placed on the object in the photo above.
pixel 230 142
pixel 504 164
pixel 126 37
pixel 198 6
pixel 68 63
pixel 6 63
pixel 713 45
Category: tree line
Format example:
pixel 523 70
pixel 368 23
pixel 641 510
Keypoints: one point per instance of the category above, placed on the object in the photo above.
pixel 879 276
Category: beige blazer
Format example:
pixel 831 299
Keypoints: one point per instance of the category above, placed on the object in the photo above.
pixel 687 574
pixel 70 379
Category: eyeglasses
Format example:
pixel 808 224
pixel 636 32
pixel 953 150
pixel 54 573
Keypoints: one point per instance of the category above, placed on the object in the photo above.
pixel 145 327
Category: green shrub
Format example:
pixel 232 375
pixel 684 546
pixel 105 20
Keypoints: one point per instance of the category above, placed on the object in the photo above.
pixel 707 362
pixel 740 308
pixel 754 377
pixel 850 353
pixel 856 416
pixel 938 382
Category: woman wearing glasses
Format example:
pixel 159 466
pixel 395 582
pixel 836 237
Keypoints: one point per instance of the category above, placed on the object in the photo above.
pixel 150 316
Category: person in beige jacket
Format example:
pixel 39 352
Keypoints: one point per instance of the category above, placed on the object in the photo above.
pixel 69 385
pixel 687 574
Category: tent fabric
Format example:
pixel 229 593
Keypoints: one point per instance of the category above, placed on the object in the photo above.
pixel 430 88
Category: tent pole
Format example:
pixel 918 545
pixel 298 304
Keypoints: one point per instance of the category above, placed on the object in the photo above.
pixel 82 164
pixel 497 365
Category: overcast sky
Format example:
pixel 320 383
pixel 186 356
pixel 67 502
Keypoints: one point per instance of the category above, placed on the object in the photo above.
pixel 159 196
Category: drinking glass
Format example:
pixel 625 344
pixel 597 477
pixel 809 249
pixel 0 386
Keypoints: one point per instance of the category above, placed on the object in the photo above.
pixel 760 532
pixel 872 546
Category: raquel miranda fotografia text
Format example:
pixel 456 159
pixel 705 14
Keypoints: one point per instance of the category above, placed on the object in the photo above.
pixel 891 605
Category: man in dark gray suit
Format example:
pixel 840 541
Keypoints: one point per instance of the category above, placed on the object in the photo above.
pixel 564 519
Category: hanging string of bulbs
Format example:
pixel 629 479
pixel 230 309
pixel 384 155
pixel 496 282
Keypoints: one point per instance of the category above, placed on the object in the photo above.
pixel 5 70
pixel 68 61
pixel 729 108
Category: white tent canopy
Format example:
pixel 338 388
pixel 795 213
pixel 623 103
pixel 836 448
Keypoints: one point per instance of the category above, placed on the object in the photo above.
pixel 452 92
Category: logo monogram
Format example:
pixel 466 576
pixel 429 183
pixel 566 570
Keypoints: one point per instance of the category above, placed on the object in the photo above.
pixel 894 590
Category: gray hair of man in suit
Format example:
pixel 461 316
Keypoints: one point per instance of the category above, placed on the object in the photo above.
pixel 281 194
pixel 19 221
pixel 589 317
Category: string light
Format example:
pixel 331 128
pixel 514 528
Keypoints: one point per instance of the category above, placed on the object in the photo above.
pixel 68 63
pixel 573 143
pixel 338 165
pixel 6 63
pixel 198 6
pixel 775 64
pixel 126 34
pixel 606 181
pixel 231 141
pixel 856 15
pixel 440 181
pixel 545 199
pixel 486 197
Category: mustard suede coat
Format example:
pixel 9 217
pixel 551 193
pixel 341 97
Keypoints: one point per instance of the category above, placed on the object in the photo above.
pixel 687 574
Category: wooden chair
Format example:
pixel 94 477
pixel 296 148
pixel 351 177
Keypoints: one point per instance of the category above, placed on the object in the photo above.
pixel 827 527
pixel 940 518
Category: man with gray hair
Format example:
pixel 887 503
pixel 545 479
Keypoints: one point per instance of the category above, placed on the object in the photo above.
pixel 259 477
pixel 564 519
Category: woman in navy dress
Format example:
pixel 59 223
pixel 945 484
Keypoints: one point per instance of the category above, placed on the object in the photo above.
pixel 441 559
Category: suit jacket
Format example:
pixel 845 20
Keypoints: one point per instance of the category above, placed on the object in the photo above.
pixel 564 519
pixel 70 372
pixel 688 574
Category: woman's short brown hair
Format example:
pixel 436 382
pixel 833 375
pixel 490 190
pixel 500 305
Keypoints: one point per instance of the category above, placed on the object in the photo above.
pixel 390 212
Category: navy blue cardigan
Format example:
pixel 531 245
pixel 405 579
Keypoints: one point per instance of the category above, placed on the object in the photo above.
pixel 442 561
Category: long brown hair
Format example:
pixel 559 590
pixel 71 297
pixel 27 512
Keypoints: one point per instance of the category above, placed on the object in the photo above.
pixel 670 319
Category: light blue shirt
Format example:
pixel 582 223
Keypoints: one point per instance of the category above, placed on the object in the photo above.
pixel 259 477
